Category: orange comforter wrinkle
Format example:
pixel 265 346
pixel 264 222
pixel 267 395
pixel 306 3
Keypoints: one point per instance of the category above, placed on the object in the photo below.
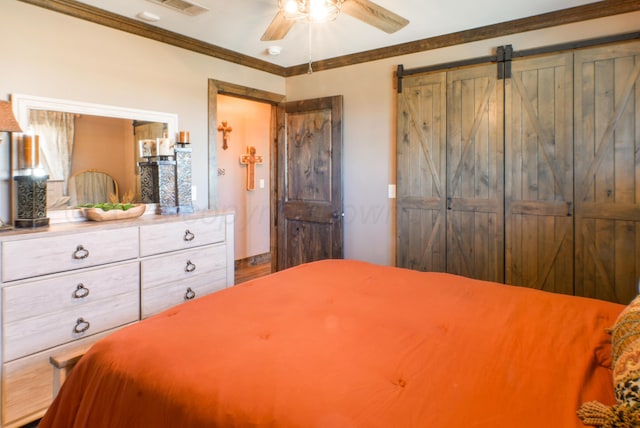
pixel 349 344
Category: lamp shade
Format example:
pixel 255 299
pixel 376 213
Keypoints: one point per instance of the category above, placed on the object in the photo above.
pixel 8 122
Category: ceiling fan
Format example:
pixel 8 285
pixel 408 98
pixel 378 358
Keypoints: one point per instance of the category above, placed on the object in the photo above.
pixel 292 11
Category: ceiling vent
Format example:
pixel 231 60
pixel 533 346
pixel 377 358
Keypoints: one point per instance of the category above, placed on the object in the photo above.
pixel 184 6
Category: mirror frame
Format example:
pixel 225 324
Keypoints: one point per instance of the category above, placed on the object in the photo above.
pixel 23 103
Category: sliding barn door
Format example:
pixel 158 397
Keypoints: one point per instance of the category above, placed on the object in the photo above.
pixel 421 179
pixel 475 173
pixel 539 173
pixel 607 109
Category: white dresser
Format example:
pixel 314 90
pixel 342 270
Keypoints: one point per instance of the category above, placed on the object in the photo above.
pixel 67 286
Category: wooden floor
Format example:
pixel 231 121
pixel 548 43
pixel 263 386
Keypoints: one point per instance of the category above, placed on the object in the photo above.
pixel 247 271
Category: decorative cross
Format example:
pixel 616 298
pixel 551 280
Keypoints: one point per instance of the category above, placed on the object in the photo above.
pixel 251 159
pixel 226 130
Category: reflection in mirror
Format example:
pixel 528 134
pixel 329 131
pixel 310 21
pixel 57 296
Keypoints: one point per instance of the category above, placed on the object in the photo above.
pixel 92 187
pixel 76 137
pixel 72 143
pixel 56 132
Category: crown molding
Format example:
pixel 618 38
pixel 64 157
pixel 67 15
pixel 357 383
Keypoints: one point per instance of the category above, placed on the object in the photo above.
pixel 599 9
pixel 586 12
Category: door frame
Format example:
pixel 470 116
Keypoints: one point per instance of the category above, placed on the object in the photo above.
pixel 216 87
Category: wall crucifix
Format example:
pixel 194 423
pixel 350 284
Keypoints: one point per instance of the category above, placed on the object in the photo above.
pixel 226 130
pixel 250 159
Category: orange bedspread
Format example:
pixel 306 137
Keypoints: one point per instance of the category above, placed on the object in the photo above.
pixel 349 344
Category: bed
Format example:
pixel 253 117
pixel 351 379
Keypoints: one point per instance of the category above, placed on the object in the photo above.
pixel 342 343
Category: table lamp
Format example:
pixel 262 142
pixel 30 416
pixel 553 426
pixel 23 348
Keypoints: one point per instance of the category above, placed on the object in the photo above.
pixel 8 122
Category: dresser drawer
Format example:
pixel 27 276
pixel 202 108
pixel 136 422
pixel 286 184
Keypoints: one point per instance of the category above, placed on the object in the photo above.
pixel 61 293
pixel 182 265
pixel 27 388
pixel 180 235
pixel 35 334
pixel 157 299
pixel 39 256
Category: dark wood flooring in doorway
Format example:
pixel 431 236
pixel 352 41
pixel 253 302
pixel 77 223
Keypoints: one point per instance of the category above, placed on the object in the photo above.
pixel 252 267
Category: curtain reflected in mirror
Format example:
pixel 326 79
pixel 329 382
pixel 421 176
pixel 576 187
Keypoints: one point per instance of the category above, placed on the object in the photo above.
pixel 146 130
pixel 56 130
pixel 92 187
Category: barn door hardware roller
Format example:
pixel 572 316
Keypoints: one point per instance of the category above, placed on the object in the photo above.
pixel 504 54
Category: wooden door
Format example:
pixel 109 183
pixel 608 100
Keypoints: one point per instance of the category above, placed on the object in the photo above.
pixel 539 173
pixel 310 211
pixel 607 165
pixel 421 178
pixel 475 173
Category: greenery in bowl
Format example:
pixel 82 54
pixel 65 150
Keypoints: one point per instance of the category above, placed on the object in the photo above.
pixel 108 206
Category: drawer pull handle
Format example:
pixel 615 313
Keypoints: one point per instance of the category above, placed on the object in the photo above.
pixel 81 326
pixel 190 267
pixel 190 294
pixel 80 253
pixel 189 235
pixel 80 292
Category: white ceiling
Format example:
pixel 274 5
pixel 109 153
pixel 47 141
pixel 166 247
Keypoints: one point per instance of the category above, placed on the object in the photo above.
pixel 237 25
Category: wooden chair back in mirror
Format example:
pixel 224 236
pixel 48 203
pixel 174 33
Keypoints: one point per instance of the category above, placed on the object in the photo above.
pixel 92 187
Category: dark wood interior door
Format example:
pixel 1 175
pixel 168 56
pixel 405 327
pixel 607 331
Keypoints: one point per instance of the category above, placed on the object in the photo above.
pixel 310 210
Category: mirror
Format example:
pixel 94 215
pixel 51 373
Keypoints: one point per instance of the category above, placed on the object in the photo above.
pixel 76 137
pixel 92 187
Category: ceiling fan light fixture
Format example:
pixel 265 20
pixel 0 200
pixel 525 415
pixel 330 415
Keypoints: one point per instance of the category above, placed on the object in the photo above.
pixel 311 10
pixel 290 7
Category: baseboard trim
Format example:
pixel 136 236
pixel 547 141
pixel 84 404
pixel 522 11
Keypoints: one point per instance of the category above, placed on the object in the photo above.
pixel 253 260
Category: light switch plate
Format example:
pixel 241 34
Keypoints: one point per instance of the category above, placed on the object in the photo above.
pixel 392 191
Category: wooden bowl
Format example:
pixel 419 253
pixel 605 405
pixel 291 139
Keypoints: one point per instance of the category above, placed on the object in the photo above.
pixel 98 214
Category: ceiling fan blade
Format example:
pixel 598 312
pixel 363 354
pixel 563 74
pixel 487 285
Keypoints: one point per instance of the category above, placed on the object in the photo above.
pixel 373 14
pixel 278 28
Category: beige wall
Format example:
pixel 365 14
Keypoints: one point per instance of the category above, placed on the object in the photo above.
pixel 251 124
pixel 45 54
pixel 370 118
